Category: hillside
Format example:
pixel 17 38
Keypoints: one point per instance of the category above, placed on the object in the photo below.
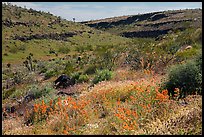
pixel 149 24
pixel 65 78
pixel 27 31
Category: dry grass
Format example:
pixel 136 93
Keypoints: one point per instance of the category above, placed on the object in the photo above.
pixel 184 120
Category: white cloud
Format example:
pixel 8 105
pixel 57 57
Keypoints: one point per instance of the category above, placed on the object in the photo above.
pixel 27 5
pixel 69 11
pixel 86 11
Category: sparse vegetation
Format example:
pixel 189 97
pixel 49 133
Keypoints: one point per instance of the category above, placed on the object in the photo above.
pixel 118 85
pixel 64 50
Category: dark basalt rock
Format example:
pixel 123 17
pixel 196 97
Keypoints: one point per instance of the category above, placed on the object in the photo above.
pixel 10 23
pixel 148 33
pixel 165 23
pixel 158 16
pixel 141 34
pixel 54 36
pixel 64 81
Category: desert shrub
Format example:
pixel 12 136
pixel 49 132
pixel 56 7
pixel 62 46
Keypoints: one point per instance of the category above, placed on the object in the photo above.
pixel 83 78
pixel 89 47
pixel 41 67
pixel 75 76
pixel 64 49
pixel 141 49
pixel 43 70
pixel 22 47
pixel 197 36
pixel 18 93
pixel 198 60
pixel 187 54
pixel 5 54
pixel 13 49
pixel 38 91
pixel 90 70
pixel 6 73
pixel 21 76
pixel 18 77
pixel 133 59
pixel 102 75
pixel 52 51
pixel 7 93
pixel 69 68
pixel 107 55
pixel 185 37
pixel 29 78
pixel 49 74
pixel 187 77
pixel 52 68
pixel 80 48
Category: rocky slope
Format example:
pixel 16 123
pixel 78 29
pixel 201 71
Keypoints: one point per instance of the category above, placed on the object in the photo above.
pixel 149 24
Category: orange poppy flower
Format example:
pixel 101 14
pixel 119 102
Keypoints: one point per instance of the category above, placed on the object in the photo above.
pixel 69 99
pixel 165 92
pixel 148 105
pixel 125 125
pixel 128 112
pixel 131 97
pixel 134 114
pixel 65 132
pixel 75 106
pixel 118 102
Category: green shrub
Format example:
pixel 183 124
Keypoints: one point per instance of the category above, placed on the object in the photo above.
pixel 78 77
pixel 75 76
pixel 43 70
pixel 80 48
pixel 83 78
pixel 49 74
pixel 41 66
pixel 22 47
pixel 187 54
pixel 17 78
pixel 187 77
pixel 13 49
pixel 18 93
pixel 102 75
pixel 8 93
pixel 69 68
pixel 198 60
pixel 21 76
pixel 40 91
pixel 29 78
pixel 91 69
pixel 64 49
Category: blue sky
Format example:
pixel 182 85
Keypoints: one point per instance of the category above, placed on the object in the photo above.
pixel 83 11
